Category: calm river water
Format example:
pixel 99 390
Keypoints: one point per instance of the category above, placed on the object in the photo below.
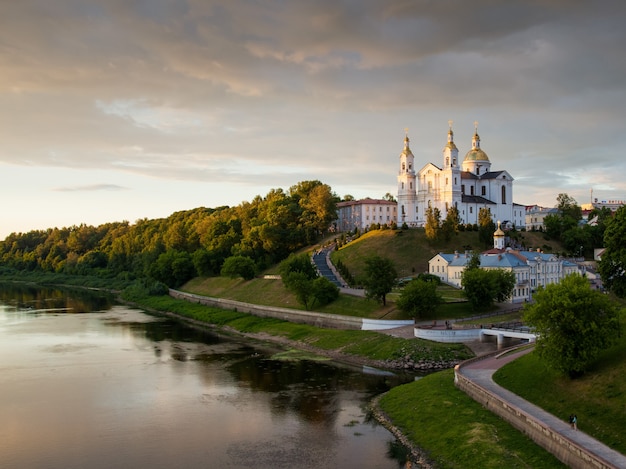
pixel 86 383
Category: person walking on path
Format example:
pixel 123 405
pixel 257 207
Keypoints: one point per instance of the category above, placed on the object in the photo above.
pixel 572 421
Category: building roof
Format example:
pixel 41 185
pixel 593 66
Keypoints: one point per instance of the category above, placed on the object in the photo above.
pixel 476 154
pixel 475 199
pixel 508 258
pixel 366 201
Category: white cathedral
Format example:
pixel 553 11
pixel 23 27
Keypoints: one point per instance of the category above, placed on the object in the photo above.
pixel 468 185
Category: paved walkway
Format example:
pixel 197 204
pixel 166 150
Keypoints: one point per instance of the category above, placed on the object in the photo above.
pixel 481 372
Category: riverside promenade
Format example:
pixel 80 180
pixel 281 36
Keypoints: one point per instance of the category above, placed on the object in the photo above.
pixel 481 371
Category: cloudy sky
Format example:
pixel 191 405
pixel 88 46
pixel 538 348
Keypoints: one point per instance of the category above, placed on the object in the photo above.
pixel 117 110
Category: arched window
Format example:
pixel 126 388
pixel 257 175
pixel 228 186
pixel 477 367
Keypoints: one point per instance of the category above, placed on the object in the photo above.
pixel 504 194
pixel 403 167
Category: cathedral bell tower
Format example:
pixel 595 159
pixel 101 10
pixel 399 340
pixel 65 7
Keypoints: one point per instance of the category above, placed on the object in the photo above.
pixel 407 189
pixel 451 174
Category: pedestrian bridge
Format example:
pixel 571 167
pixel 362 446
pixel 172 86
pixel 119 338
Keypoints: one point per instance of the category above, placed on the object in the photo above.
pixel 503 337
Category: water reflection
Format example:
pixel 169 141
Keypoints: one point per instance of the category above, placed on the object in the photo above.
pixel 124 389
pixel 37 299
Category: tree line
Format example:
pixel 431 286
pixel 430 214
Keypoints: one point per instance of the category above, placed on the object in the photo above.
pixel 186 244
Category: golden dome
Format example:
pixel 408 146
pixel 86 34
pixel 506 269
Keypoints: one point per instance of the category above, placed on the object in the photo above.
pixel 476 154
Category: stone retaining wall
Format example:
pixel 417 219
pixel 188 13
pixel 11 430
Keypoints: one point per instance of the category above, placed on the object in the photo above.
pixel 563 448
pixel 293 315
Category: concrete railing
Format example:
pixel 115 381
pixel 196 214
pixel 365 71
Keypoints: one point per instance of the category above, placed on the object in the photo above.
pixel 447 335
pixel 566 450
pixel 503 337
pixel 382 324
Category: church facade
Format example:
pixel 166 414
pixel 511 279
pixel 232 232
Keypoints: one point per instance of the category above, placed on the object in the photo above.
pixel 468 185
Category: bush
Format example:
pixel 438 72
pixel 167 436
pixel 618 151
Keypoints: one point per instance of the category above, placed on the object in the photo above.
pixel 239 266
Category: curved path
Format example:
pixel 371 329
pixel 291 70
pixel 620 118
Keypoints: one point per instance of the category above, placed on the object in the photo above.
pixel 481 372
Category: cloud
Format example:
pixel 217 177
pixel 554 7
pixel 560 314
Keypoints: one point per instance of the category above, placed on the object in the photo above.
pixel 264 94
pixel 91 188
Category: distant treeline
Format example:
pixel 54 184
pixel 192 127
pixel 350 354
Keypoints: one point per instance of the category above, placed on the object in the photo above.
pixel 184 245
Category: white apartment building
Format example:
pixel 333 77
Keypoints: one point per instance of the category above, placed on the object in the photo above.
pixel 364 213
pixel 531 268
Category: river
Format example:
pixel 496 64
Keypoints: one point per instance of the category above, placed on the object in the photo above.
pixel 87 383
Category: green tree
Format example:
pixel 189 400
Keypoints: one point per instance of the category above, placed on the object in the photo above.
pixel 301 286
pixel 173 268
pixel 419 298
pixel 450 225
pixel 552 223
pixel 298 275
pixel 486 226
pixel 432 227
pixel 612 266
pixel 478 287
pixel 568 208
pixel 379 278
pixel 474 262
pixel 298 263
pixel 324 291
pixel 505 282
pixel 318 207
pixel 239 266
pixel 482 287
pixel 567 218
pixel 574 324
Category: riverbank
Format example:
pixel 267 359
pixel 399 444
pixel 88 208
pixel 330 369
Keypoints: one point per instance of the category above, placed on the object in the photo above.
pixel 404 406
pixel 430 417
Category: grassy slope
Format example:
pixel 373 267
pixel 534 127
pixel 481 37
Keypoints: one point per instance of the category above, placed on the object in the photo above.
pixel 410 251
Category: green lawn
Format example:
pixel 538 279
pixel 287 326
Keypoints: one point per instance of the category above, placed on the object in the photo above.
pixel 458 432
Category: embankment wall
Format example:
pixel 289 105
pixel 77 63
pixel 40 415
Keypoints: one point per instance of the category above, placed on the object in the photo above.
pixel 566 450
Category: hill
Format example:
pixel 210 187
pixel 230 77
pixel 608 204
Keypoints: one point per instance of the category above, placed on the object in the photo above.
pixel 410 251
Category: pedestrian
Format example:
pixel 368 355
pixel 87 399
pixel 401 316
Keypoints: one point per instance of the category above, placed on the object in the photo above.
pixel 571 420
pixel 575 422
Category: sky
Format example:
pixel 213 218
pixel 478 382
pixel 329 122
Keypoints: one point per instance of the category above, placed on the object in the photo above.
pixel 118 110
